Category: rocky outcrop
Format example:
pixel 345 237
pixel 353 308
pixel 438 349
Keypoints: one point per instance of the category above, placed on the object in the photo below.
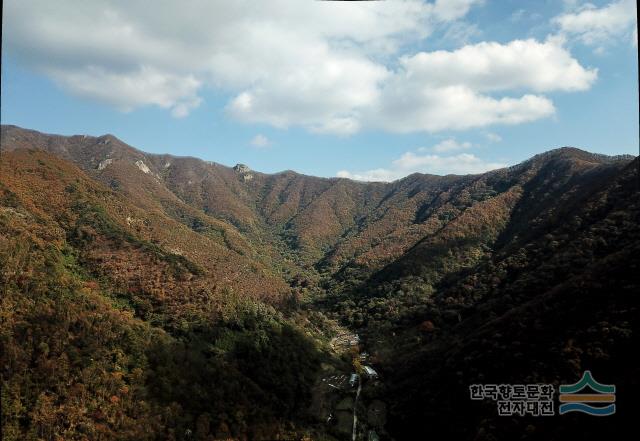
pixel 244 171
pixel 143 167
pixel 104 164
pixel 242 168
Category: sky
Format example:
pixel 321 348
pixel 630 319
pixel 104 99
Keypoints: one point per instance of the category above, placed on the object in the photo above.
pixel 364 90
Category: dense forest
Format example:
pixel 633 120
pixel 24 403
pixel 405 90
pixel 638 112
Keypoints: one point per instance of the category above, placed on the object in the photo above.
pixel 160 297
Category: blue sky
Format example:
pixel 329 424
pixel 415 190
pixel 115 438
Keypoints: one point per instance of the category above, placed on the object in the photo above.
pixel 367 91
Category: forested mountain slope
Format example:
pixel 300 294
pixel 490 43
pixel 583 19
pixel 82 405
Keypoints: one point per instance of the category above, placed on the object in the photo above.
pixel 109 332
pixel 158 297
pixel 537 290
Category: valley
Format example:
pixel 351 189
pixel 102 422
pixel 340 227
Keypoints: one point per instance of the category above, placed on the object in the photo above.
pixel 158 297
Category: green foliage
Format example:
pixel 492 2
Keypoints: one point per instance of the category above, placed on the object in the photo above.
pixel 8 198
pixel 75 367
pixel 95 216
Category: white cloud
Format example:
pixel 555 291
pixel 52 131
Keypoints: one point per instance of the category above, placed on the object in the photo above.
pixel 489 66
pixel 302 63
pixel 461 163
pixel 375 175
pixel 260 141
pixel 594 26
pixel 448 145
pixel 455 108
pixel 448 10
pixel 424 162
pixel 329 67
pixel 441 90
pixel 134 89
pixel 493 137
pixel 409 162
pixel 461 32
pixel 323 92
pixel 430 91
pixel 346 125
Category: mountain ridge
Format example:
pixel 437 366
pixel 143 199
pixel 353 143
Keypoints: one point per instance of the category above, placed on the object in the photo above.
pixel 11 130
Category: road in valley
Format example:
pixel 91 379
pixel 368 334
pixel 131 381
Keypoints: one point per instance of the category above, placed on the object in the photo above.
pixel 355 406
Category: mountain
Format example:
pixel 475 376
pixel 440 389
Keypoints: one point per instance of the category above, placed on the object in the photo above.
pixel 535 291
pixel 159 297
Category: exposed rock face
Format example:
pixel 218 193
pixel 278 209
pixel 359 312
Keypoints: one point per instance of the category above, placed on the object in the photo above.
pixel 104 164
pixel 244 171
pixel 242 168
pixel 143 167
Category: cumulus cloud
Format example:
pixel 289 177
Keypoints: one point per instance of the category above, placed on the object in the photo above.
pixel 489 66
pixel 260 141
pixel 144 86
pixel 594 26
pixel 454 107
pixel 442 90
pixel 329 67
pixel 287 62
pixel 431 163
pixel 430 91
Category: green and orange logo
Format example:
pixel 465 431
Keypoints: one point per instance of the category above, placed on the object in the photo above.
pixel 599 403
